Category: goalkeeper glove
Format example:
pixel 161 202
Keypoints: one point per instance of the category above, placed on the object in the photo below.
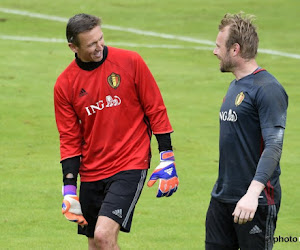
pixel 166 173
pixel 71 208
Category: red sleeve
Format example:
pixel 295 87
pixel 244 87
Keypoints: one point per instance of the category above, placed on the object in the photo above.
pixel 67 122
pixel 151 99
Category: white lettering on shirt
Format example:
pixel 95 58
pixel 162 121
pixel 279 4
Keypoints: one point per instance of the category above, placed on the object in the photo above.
pixel 100 105
pixel 229 116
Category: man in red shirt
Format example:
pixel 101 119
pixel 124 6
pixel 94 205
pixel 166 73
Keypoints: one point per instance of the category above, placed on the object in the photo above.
pixel 107 105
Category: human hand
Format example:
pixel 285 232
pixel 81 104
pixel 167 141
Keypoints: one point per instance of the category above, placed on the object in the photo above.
pixel 166 173
pixel 71 208
pixel 245 209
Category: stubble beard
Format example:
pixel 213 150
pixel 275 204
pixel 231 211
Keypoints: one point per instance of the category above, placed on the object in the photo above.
pixel 226 64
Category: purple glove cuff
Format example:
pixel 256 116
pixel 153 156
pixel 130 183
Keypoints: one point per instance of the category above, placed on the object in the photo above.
pixel 69 190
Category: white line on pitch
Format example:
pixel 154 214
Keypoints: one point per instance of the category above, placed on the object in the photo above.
pixel 123 44
pixel 111 27
pixel 33 39
pixel 142 32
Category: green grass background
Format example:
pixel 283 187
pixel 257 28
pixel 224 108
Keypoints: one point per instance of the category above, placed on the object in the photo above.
pixel 192 87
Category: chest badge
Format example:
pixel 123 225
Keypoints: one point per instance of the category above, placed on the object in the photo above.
pixel 239 98
pixel 114 80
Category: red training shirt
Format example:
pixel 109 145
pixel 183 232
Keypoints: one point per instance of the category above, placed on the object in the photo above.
pixel 107 115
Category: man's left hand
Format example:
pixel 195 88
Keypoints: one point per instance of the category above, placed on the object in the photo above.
pixel 166 173
pixel 246 207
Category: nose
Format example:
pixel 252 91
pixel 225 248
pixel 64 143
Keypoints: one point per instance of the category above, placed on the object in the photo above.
pixel 215 51
pixel 100 44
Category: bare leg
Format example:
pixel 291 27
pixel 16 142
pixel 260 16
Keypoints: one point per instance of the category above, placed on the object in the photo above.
pixel 105 235
pixel 92 244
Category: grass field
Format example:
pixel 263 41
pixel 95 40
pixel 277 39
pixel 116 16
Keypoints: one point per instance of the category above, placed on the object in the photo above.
pixel 192 87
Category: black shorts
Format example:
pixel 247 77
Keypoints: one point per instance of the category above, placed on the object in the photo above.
pixel 114 197
pixel 223 233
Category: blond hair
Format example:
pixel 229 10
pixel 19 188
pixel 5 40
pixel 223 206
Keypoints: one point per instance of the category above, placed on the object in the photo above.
pixel 243 32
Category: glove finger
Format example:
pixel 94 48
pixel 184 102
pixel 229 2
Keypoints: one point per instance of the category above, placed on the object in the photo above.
pixel 171 189
pixel 169 186
pixel 172 183
pixel 161 188
pixel 170 192
pixel 71 217
pixel 75 218
pixel 82 222
pixel 160 194
pixel 164 185
pixel 151 183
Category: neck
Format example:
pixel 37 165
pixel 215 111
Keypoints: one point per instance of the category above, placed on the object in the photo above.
pixel 244 68
pixel 88 66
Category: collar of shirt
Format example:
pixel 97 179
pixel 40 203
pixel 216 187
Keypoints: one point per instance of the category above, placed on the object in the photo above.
pixel 91 65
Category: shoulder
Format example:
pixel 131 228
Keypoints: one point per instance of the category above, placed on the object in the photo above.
pixel 263 78
pixel 129 62
pixel 262 74
pixel 268 89
pixel 117 54
pixel 265 82
pixel 66 75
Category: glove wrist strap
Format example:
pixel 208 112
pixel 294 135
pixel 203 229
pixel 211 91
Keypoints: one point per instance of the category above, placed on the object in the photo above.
pixel 69 190
pixel 167 156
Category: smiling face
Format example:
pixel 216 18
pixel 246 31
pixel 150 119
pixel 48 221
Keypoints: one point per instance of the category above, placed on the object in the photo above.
pixel 91 45
pixel 222 52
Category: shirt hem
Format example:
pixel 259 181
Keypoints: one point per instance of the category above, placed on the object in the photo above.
pixel 84 178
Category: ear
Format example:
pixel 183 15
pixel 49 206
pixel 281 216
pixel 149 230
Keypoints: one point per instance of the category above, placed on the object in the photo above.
pixel 73 47
pixel 235 49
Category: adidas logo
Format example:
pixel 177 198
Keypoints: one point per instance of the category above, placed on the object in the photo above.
pixel 255 230
pixel 169 171
pixel 82 93
pixel 118 212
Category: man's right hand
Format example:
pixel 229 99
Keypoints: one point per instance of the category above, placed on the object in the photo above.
pixel 71 208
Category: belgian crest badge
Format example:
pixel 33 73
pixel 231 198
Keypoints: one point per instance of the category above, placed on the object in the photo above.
pixel 114 80
pixel 239 98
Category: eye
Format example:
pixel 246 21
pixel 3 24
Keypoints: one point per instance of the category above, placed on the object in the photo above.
pixel 92 44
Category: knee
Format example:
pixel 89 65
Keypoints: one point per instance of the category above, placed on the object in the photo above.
pixel 104 238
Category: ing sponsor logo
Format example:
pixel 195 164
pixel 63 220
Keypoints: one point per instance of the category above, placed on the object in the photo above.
pixel 100 105
pixel 228 116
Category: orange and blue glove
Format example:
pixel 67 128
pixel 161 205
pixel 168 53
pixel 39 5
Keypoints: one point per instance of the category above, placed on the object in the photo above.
pixel 71 208
pixel 166 173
